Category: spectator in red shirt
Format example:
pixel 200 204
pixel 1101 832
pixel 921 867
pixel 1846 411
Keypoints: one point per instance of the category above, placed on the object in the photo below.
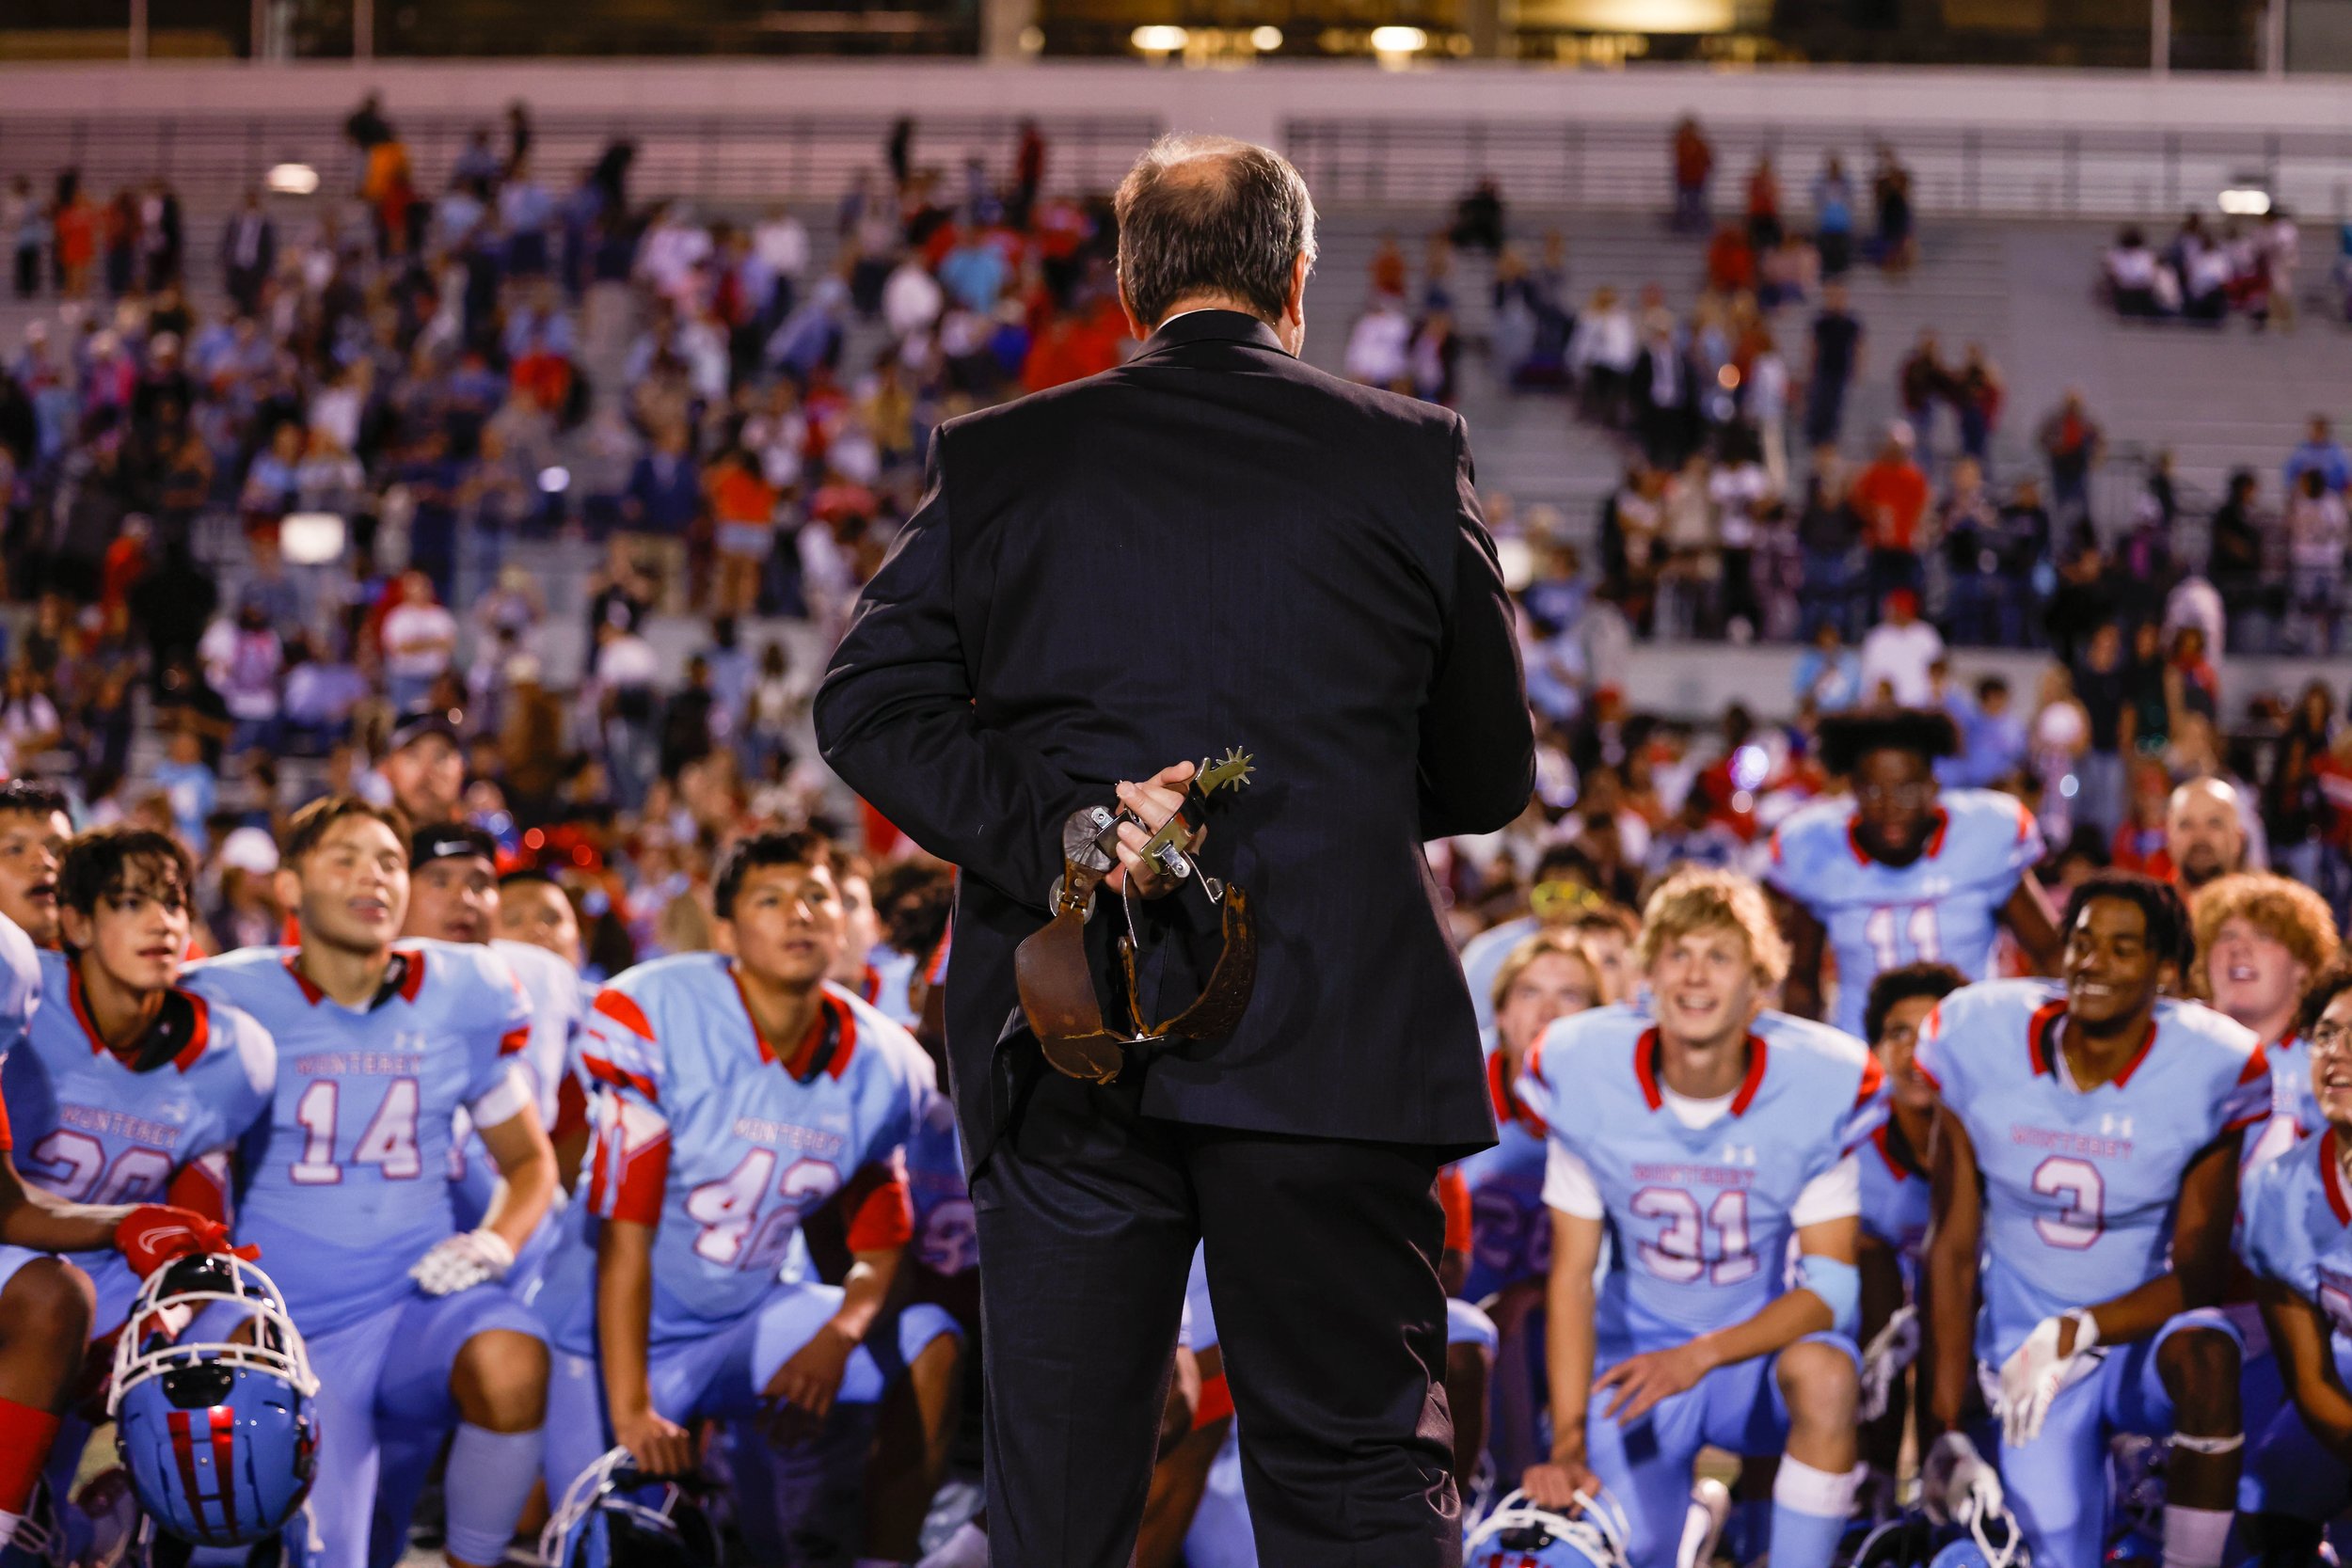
pixel 1693 162
pixel 1891 496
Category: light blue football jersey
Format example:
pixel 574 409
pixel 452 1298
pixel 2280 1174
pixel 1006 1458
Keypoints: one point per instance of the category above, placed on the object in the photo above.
pixel 2080 1185
pixel 2294 1226
pixel 345 1183
pixel 92 1127
pixel 1698 1219
pixel 1895 1205
pixel 1510 1228
pixel 1943 908
pixel 2291 1096
pixel 723 1141
pixel 553 992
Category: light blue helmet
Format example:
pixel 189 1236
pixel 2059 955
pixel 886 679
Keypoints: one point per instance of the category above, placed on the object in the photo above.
pixel 212 1403
pixel 1519 1534
pixel 612 1517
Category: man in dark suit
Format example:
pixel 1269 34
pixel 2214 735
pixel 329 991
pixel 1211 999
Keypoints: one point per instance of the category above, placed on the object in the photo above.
pixel 1211 545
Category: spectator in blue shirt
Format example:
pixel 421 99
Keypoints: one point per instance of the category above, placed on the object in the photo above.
pixel 2321 451
pixel 663 500
pixel 1829 673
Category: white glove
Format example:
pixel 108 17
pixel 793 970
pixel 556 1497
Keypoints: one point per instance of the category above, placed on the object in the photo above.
pixel 1955 1482
pixel 2034 1374
pixel 469 1258
pixel 1891 1349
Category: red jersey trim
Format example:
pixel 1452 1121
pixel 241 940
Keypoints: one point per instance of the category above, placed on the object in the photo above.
pixel 1216 1401
pixel 2146 1042
pixel 620 1078
pixel 412 974
pixel 1880 1141
pixel 2331 1178
pixel 512 1042
pixel 200 1030
pixel 641 1181
pixel 1646 1069
pixel 623 1009
pixel 1936 840
pixel 885 1220
pixel 2039 1050
pixel 1454 1197
pixel 1507 1105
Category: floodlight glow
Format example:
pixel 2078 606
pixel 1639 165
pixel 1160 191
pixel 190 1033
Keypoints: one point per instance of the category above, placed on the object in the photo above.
pixel 2245 202
pixel 311 538
pixel 1265 39
pixel 293 180
pixel 1159 38
pixel 1398 41
pixel 555 480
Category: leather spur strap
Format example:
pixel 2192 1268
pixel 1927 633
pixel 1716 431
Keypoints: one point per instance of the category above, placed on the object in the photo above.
pixel 1057 983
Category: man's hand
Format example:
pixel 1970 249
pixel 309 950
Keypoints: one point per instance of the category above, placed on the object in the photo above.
pixel 1558 1482
pixel 154 1234
pixel 660 1446
pixel 1153 801
pixel 805 1387
pixel 1643 1381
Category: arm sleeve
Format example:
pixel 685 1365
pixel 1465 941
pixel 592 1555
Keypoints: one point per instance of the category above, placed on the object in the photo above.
pixel 629 1171
pixel 1477 743
pixel 1569 1184
pixel 501 1033
pixel 2248 1101
pixel 2025 851
pixel 878 1207
pixel 895 719
pixel 203 1184
pixel 1833 1195
pixel 1454 1197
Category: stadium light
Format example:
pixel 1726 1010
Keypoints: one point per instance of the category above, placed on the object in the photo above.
pixel 2246 201
pixel 1398 41
pixel 311 538
pixel 1159 37
pixel 554 482
pixel 293 180
pixel 1265 41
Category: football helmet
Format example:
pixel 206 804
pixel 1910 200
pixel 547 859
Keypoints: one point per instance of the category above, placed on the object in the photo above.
pixel 1990 1539
pixel 612 1517
pixel 212 1403
pixel 1519 1534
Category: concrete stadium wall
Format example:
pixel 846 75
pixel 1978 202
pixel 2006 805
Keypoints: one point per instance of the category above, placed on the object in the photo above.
pixel 1252 103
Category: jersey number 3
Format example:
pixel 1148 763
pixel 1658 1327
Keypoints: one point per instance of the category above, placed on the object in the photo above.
pixel 2084 1218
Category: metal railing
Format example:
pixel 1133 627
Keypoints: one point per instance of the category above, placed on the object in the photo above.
pixel 732 157
pixel 1986 171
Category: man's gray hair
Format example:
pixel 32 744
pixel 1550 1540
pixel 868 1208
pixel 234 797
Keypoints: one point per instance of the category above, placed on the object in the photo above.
pixel 1212 216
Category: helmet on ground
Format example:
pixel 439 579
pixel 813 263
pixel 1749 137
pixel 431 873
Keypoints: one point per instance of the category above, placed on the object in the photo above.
pixel 612 1517
pixel 212 1403
pixel 1519 1534
pixel 1992 1540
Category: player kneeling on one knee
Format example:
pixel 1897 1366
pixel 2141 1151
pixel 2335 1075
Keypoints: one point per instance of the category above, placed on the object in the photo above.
pixel 2086 1151
pixel 2295 1232
pixel 738 1092
pixel 1703 1132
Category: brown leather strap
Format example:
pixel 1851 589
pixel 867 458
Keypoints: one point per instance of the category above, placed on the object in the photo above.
pixel 1059 997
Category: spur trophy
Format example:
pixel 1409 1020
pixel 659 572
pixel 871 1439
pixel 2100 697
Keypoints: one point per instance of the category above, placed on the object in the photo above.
pixel 1056 986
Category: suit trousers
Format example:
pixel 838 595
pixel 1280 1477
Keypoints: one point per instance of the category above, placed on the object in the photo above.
pixel 1322 1259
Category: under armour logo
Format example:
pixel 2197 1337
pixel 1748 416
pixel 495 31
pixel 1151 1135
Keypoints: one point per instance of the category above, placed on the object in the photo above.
pixel 1739 1154
pixel 2112 1126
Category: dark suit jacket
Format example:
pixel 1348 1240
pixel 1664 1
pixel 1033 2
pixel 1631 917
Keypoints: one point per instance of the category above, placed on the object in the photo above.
pixel 1213 544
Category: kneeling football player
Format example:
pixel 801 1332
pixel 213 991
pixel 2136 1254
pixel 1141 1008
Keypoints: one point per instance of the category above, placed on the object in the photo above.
pixel 1702 1133
pixel 2087 1159
pixel 738 1092
pixel 123 1089
pixel 346 1184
